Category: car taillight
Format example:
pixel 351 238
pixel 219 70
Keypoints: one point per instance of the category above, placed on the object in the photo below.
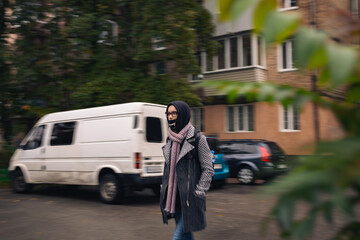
pixel 265 155
pixel 137 160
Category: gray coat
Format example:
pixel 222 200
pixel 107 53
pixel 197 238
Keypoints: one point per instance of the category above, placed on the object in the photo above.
pixel 193 179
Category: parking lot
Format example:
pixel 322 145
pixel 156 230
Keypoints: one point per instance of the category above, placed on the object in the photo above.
pixel 57 212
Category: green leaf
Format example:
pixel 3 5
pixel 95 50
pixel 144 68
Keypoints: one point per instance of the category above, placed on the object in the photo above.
pixel 232 95
pixel 231 9
pixel 343 202
pixel 324 77
pixel 224 7
pixel 261 12
pixel 267 92
pixel 240 6
pixel 354 94
pixel 318 59
pixel 284 212
pixel 327 210
pixel 279 26
pixel 341 62
pixel 284 94
pixel 300 100
pixel 308 42
pixel 304 227
pixel 349 231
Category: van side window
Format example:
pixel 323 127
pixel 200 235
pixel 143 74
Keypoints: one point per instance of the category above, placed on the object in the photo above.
pixel 153 129
pixel 62 134
pixel 36 138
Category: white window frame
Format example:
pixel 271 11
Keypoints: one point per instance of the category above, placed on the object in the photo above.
pixel 290 117
pixel 158 44
pixel 104 35
pixel 289 57
pixel 197 118
pixel 236 118
pixel 254 54
pixel 286 5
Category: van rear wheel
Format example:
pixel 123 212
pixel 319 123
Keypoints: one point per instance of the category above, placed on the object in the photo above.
pixel 110 189
pixel 18 182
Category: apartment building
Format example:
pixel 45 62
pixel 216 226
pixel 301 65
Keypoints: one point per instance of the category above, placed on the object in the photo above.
pixel 243 57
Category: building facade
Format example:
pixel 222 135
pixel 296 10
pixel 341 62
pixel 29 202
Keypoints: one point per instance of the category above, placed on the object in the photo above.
pixel 242 56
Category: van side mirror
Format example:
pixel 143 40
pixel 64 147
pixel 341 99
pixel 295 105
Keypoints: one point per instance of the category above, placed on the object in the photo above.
pixel 21 146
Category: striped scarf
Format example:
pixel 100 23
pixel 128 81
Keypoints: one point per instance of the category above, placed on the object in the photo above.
pixel 176 139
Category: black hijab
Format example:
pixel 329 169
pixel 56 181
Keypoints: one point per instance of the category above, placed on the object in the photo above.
pixel 184 114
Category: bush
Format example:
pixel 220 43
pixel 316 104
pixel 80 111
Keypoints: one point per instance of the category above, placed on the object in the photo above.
pixel 5 155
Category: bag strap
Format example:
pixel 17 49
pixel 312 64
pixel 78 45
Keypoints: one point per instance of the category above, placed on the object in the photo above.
pixel 197 139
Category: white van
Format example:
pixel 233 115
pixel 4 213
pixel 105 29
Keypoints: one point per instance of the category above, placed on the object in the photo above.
pixel 114 147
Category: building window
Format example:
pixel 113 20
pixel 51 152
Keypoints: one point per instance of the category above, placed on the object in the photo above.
pixel 287 55
pixel 240 118
pixel 290 120
pixel 260 51
pixel 246 50
pixel 289 3
pixel 109 35
pixel 236 52
pixel 221 55
pixel 158 44
pixel 354 8
pixel 160 67
pixel 197 118
pixel 209 63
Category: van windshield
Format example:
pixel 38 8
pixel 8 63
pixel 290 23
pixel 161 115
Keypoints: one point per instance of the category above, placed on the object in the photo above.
pixel 153 130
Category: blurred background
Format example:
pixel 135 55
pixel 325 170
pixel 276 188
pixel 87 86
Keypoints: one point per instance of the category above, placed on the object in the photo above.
pixel 62 55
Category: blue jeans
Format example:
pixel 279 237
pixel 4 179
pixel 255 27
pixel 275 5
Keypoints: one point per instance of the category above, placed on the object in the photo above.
pixel 179 233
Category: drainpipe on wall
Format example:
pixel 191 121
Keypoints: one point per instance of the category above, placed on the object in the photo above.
pixel 314 76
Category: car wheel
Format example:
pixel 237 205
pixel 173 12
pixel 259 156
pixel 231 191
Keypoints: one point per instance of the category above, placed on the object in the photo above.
pixel 246 175
pixel 110 189
pixel 19 184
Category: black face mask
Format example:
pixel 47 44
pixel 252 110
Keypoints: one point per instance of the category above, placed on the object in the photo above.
pixel 172 124
pixel 183 117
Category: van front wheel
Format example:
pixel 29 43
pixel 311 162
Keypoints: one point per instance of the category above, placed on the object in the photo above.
pixel 18 182
pixel 110 189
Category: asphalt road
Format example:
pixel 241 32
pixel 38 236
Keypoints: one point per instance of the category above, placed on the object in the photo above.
pixel 56 212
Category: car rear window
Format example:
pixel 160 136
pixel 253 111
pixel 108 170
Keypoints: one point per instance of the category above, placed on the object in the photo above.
pixel 153 130
pixel 274 148
pixel 239 148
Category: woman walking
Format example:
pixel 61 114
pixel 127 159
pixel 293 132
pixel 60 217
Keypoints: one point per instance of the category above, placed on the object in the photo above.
pixel 187 173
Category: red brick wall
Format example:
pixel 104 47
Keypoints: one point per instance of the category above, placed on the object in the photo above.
pixel 267 126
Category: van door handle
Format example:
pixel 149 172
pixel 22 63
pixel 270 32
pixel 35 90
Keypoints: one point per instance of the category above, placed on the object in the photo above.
pixel 42 150
pixel 147 158
pixel 43 167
